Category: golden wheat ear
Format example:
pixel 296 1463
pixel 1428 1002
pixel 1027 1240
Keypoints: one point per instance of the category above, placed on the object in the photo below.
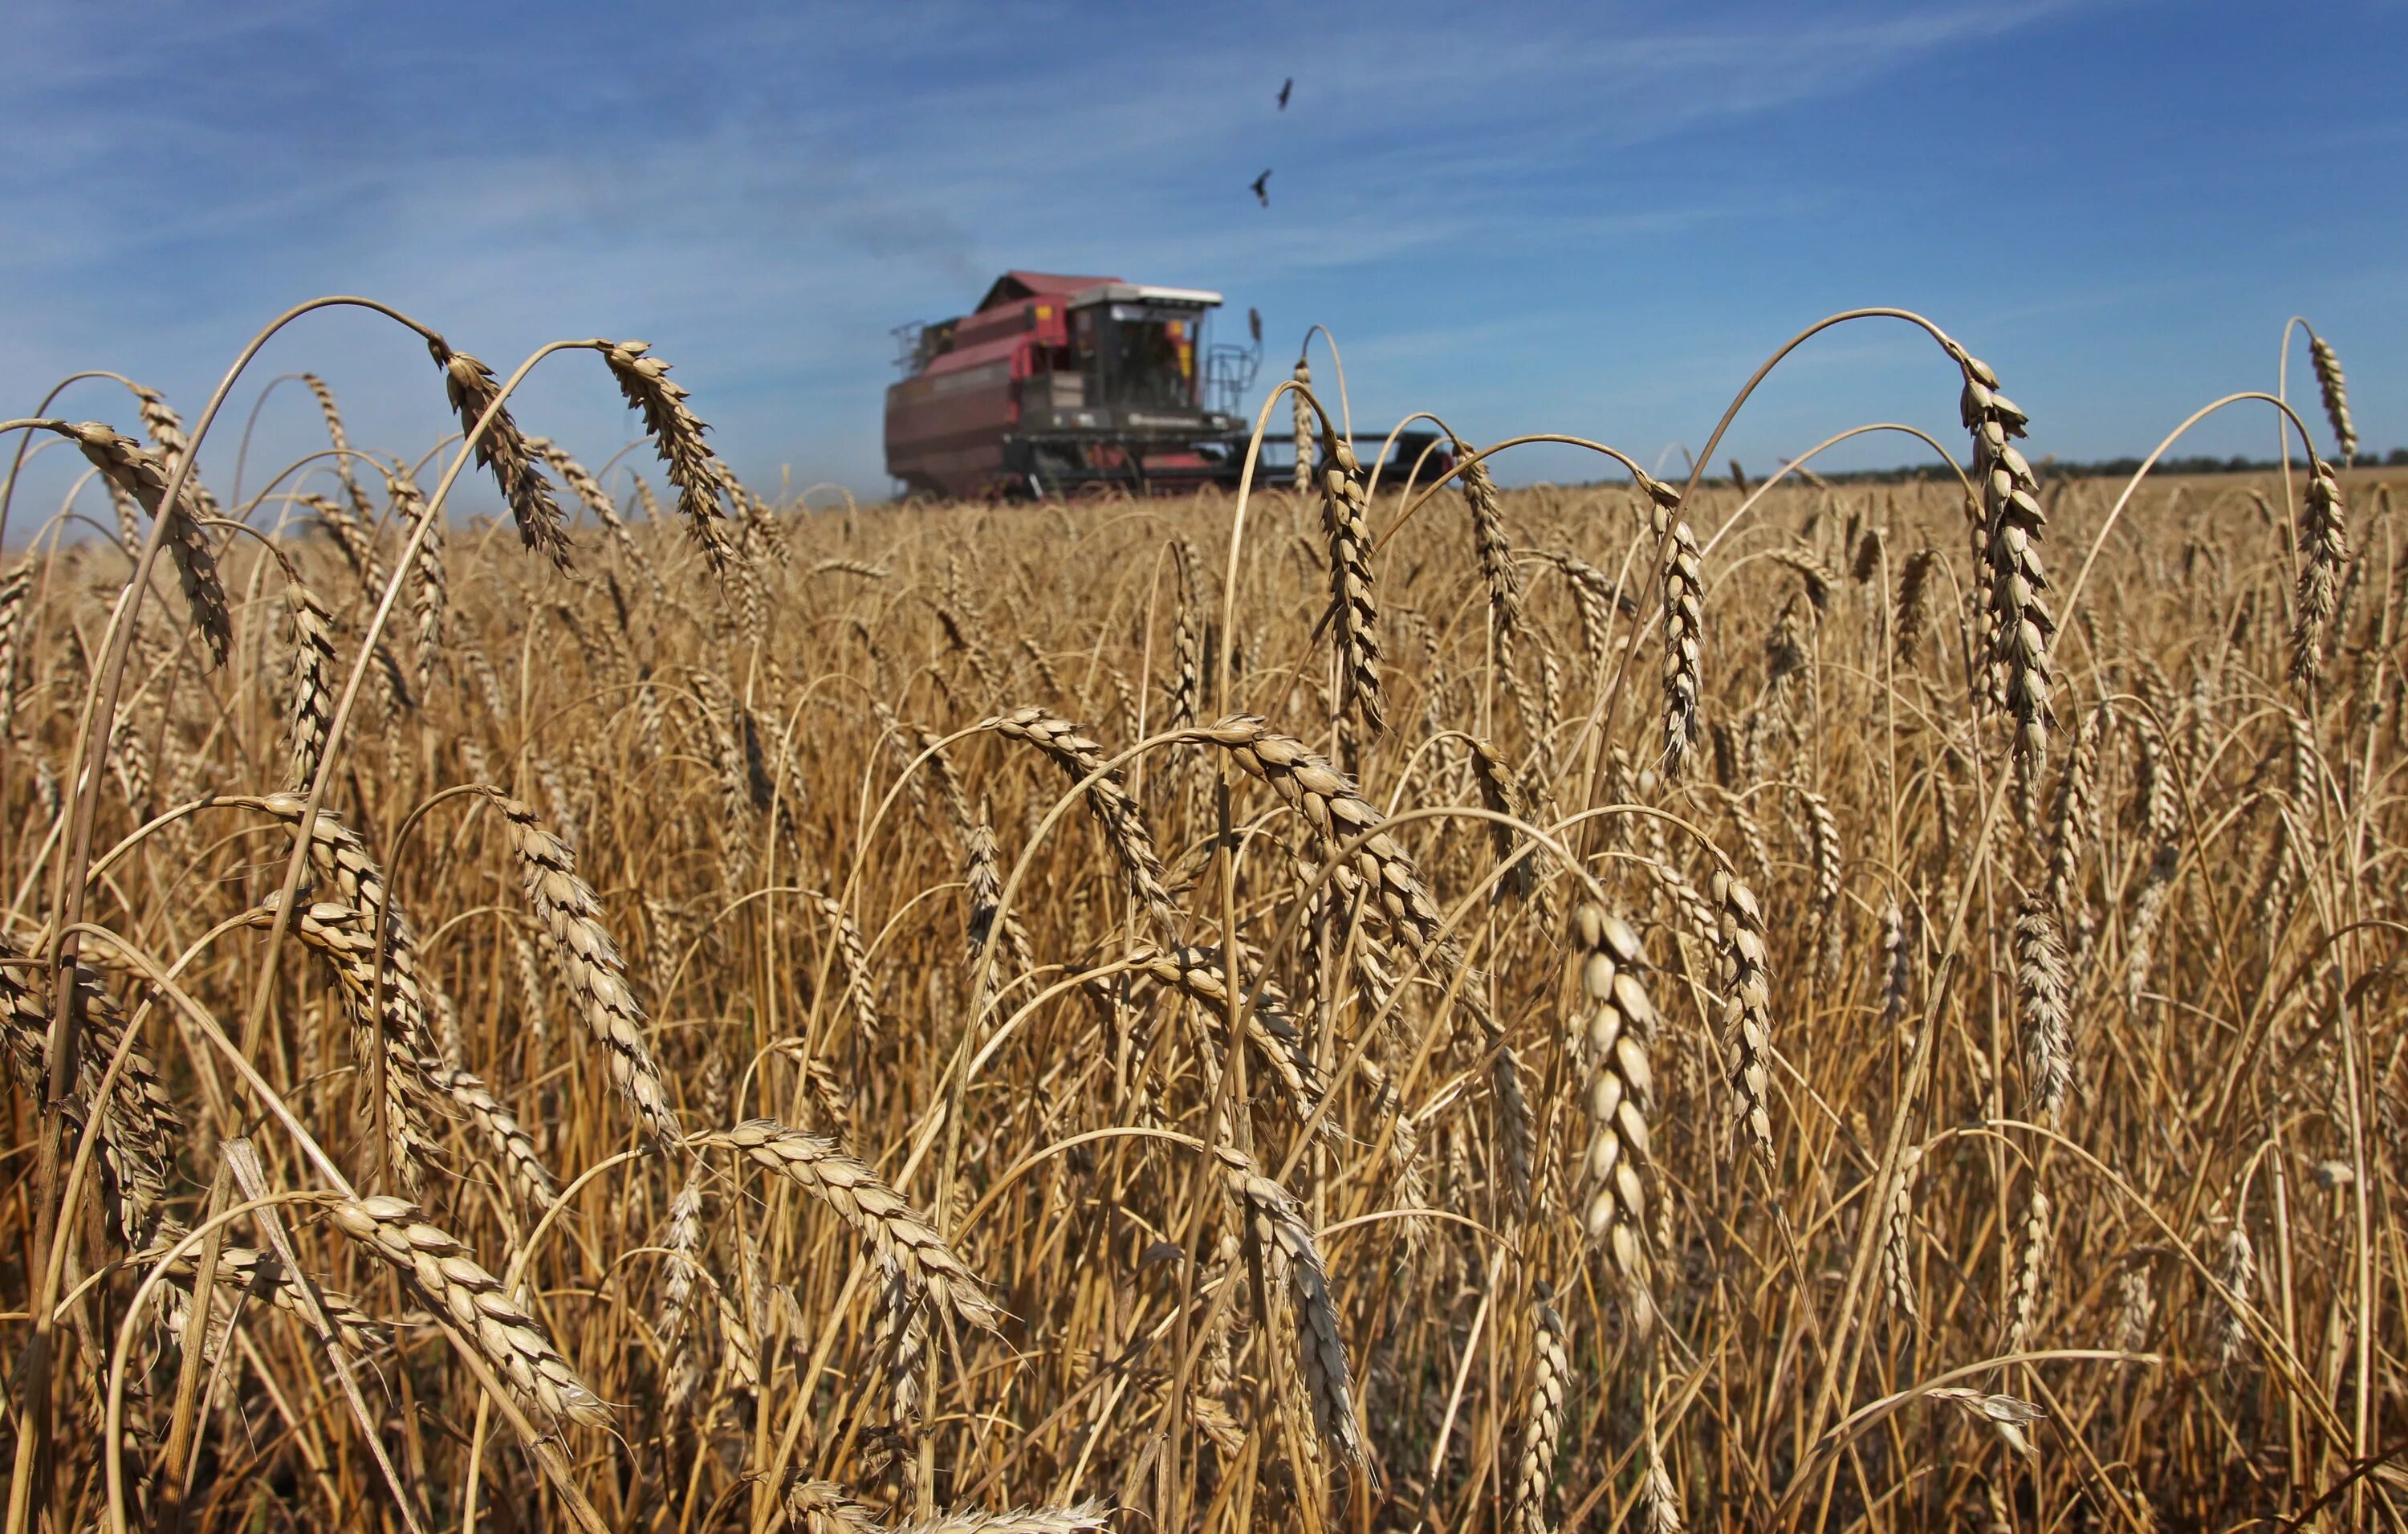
pixel 2335 390
pixel 505 450
pixel 448 1279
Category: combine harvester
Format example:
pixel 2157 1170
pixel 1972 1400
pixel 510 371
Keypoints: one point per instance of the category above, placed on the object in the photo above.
pixel 1057 385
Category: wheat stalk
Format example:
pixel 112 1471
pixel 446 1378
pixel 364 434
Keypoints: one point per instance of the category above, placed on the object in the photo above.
pixel 761 527
pixel 1542 1425
pixel 263 1275
pixel 1774 716
pixel 447 1278
pixel 2135 1309
pixel 941 769
pixel 968 630
pixel 1746 1011
pixel 2148 910
pixel 900 1346
pixel 144 476
pixel 860 994
pixel 681 1270
pixel 1823 853
pixel 1197 974
pixel 1408 1176
pixel 1186 638
pixel 2024 1298
pixel 129 756
pixel 1354 607
pixel 505 450
pixel 1115 811
pixel 1897 1238
pixel 893 1230
pixel 1662 1499
pixel 1619 1025
pixel 2074 816
pixel 129 527
pixel 1500 795
pixel 741 787
pixel 1306 783
pixel 352 537
pixel 16 590
pixel 2236 1278
pixel 576 477
pixel 1300 409
pixel 1816 577
pixel 1683 579
pixel 2042 988
pixel 677 433
pixel 341 441
pixel 823 1507
pixel 1866 562
pixel 1898 973
pixel 2021 623
pixel 1913 605
pixel 2325 542
pixel 1517 1126
pixel 1593 603
pixel 388 1021
pixel 1274 1222
pixel 982 883
pixel 740 1347
pixel 513 1144
pixel 1083 1519
pixel 1494 554
pixel 165 429
pixel 565 908
pixel 2004 1414
pixel 431 598
pixel 138 1122
pixel 2335 390
pixel 313 711
pixel 607 512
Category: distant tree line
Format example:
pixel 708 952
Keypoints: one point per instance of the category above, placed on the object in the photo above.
pixel 2123 467
pixel 2069 468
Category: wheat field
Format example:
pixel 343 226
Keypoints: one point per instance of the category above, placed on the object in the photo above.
pixel 1806 1004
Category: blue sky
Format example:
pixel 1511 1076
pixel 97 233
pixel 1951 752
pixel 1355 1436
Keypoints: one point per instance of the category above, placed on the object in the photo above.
pixel 1593 219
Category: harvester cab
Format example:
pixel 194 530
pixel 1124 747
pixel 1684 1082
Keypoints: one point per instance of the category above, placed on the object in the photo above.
pixel 1054 385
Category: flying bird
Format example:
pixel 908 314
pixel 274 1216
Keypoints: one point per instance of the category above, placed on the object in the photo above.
pixel 1254 324
pixel 1284 89
pixel 1261 188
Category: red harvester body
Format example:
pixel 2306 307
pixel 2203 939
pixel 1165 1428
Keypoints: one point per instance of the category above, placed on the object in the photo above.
pixel 1056 383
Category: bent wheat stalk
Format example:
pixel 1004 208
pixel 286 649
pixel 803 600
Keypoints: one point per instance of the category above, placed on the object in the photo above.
pixel 1115 811
pixel 1326 798
pixel 447 1278
pixel 2021 623
pixel 505 450
pixel 676 432
pixel 2335 390
pixel 566 907
pixel 896 1232
pixel 143 475
pixel 1275 1223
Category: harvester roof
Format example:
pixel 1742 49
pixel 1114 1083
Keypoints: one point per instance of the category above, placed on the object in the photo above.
pixel 1011 287
pixel 1142 292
